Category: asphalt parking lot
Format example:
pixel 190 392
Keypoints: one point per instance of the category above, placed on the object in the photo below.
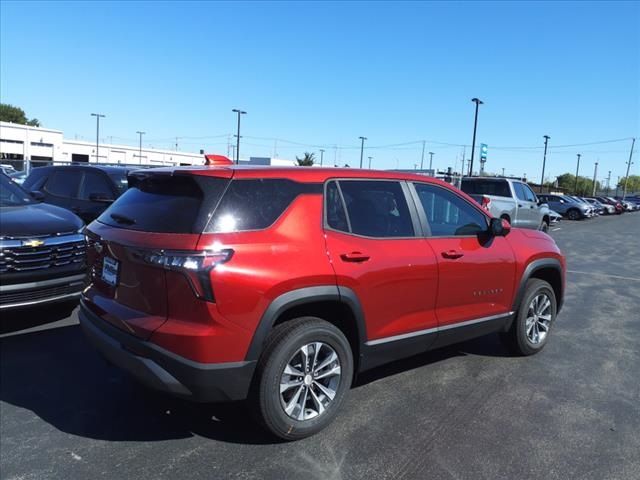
pixel 470 411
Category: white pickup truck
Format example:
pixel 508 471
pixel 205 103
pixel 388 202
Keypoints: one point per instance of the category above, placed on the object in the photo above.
pixel 510 199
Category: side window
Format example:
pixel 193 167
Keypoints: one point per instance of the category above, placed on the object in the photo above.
pixel 336 217
pixel 95 184
pixel 531 197
pixel 519 189
pixel 64 183
pixel 255 204
pixel 449 215
pixel 377 208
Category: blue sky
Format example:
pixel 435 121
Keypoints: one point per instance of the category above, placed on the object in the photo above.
pixel 325 73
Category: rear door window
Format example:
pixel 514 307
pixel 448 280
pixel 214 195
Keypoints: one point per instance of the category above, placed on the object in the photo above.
pixel 520 193
pixel 166 204
pixel 64 183
pixel 376 208
pixel 95 183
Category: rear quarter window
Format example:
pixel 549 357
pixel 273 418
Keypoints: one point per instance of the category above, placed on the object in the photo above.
pixel 255 204
pixel 497 188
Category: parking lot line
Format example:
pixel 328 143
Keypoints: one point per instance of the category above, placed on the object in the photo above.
pixel 605 275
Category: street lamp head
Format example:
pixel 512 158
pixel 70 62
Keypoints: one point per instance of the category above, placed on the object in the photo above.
pixel 477 101
pixel 240 112
pixel 546 137
pixel 97 115
pixel 141 133
pixel 362 138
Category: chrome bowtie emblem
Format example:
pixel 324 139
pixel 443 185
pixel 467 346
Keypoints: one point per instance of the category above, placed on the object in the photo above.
pixel 32 243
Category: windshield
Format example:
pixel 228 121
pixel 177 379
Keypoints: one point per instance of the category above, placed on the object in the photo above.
pixel 12 195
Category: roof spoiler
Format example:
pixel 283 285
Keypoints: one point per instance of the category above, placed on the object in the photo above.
pixel 216 160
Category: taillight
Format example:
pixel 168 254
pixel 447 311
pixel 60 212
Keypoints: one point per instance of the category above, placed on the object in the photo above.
pixel 486 202
pixel 195 265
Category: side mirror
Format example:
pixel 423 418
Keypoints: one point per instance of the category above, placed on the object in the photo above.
pixel 37 195
pixel 499 227
pixel 99 197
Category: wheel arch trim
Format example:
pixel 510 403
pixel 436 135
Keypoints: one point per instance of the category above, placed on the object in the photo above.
pixel 299 297
pixel 533 267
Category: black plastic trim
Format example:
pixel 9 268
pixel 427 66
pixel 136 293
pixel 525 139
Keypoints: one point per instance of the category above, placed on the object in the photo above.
pixel 532 268
pixel 163 370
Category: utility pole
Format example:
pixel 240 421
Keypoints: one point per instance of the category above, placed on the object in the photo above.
pixel 617 185
pixel 626 179
pixel 321 156
pixel 595 173
pixel 239 112
pixel 431 161
pixel 362 149
pixel 544 161
pixel 575 188
pixel 478 102
pixel 98 117
pixel 422 157
pixel 608 182
pixel 369 162
pixel 140 146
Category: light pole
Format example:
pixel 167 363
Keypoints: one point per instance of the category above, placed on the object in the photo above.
pixel 422 157
pixel 626 178
pixel 544 161
pixel 321 156
pixel 369 162
pixel 478 102
pixel 503 171
pixel 239 112
pixel 431 160
pixel 98 117
pixel 595 173
pixel 617 185
pixel 361 149
pixel 608 182
pixel 575 188
pixel 140 146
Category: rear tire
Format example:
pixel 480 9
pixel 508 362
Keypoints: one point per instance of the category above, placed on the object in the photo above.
pixel 302 378
pixel 534 320
pixel 544 226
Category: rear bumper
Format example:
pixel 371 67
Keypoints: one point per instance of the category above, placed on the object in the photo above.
pixel 44 291
pixel 165 371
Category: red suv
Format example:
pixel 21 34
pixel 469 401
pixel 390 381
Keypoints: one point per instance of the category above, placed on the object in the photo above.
pixel 281 284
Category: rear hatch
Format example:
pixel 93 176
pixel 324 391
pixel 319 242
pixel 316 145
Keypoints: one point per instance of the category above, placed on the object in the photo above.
pixel 162 211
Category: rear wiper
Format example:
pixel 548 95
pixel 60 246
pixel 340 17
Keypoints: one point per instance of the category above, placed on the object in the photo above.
pixel 122 219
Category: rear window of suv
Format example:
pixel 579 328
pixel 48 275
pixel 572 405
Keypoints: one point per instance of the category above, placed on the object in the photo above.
pixel 498 188
pixel 166 204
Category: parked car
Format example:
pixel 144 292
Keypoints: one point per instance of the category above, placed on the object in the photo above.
pixel 555 217
pixel 18 177
pixel 510 199
pixel 280 284
pixel 611 201
pixel 629 204
pixel 42 250
pixel 601 208
pixel 86 190
pixel 566 206
pixel 7 169
pixel 592 210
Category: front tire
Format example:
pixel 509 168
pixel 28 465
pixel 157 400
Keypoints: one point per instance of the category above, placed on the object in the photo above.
pixel 573 214
pixel 536 314
pixel 302 377
pixel 544 226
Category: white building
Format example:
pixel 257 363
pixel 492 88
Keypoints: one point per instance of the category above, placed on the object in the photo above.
pixel 19 143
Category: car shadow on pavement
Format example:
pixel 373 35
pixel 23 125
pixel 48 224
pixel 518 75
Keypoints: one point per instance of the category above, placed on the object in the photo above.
pixel 25 318
pixel 58 376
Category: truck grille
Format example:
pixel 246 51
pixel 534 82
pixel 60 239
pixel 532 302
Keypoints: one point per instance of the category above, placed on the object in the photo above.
pixel 15 256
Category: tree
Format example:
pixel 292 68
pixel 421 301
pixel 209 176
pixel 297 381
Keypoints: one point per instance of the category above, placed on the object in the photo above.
pixel 567 182
pixel 307 160
pixel 9 113
pixel 633 185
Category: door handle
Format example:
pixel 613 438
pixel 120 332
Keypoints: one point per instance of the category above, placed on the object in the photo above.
pixel 354 257
pixel 452 254
pixel 520 205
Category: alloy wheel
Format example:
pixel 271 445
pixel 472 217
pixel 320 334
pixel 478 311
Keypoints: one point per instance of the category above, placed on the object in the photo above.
pixel 310 381
pixel 538 321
